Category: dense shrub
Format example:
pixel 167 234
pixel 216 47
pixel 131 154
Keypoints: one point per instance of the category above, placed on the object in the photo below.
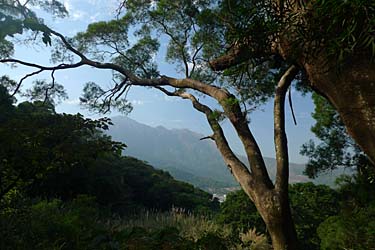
pixel 52 225
pixel 307 201
pixel 349 230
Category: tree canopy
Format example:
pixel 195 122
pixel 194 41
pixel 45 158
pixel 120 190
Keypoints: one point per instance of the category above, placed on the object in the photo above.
pixel 39 141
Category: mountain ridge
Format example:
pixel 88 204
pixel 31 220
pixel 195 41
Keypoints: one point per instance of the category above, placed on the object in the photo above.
pixel 184 155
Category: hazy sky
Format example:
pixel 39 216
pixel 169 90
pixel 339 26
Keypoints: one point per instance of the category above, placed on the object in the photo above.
pixel 150 106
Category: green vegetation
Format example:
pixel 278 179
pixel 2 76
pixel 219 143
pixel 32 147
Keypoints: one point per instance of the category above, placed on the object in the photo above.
pixel 65 185
pixel 325 218
pixel 307 201
pixel 80 224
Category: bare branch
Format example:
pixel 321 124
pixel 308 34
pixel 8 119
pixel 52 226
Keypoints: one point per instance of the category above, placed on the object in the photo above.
pixel 180 45
pixel 291 105
pixel 38 66
pixel 207 137
pixel 24 78
pixel 236 55
pixel 194 58
pixel 51 87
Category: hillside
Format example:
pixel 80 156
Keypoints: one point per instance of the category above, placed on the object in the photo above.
pixel 187 158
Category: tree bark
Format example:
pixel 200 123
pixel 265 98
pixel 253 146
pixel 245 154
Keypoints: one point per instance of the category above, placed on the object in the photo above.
pixel 351 90
pixel 276 213
pixel 271 201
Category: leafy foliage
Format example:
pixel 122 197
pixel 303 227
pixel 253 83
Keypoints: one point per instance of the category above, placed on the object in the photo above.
pixel 95 98
pixel 37 141
pixel 52 225
pixel 46 92
pixel 306 200
pixel 337 148
pixel 125 185
pixel 240 213
pixel 354 230
pixel 342 28
pixel 15 18
pixel 83 181
pixel 82 224
pixel 353 227
pixel 58 155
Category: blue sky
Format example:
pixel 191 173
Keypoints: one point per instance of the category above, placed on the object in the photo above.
pixel 150 106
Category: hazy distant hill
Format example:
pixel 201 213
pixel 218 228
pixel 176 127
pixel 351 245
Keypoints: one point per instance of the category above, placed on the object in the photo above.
pixel 180 152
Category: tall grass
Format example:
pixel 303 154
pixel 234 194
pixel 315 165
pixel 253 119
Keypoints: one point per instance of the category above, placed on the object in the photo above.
pixel 193 227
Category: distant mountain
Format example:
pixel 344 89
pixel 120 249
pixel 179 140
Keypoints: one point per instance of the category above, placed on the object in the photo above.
pixel 180 152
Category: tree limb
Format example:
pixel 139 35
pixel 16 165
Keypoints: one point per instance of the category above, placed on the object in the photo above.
pixel 237 54
pixel 280 138
pixel 207 137
pixel 24 78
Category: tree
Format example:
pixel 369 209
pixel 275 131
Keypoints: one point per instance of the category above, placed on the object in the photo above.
pixel 352 227
pixel 36 141
pixel 307 201
pixel 240 213
pixel 333 43
pixel 252 41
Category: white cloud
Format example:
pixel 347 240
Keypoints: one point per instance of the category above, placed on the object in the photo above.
pixel 73 11
pixel 78 15
pixel 71 102
pixel 137 102
pixel 94 18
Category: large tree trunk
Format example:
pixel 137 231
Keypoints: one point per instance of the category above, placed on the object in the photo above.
pixel 348 85
pixel 351 89
pixel 276 214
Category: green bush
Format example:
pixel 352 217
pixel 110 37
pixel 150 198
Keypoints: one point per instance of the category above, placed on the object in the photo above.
pixel 306 201
pixel 349 230
pixel 240 213
pixel 52 225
